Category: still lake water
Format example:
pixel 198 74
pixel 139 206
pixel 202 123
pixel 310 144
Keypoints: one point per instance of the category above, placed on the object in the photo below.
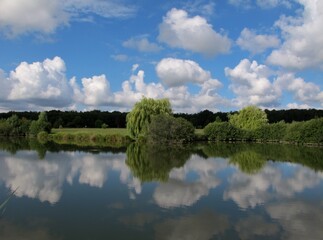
pixel 206 191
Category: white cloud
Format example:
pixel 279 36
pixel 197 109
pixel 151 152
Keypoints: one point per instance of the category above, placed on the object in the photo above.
pixel 45 16
pixel 254 43
pixel 141 44
pixel 303 43
pixel 175 72
pixel 40 83
pixel 20 16
pixel 251 84
pixel 192 33
pixel 305 92
pixel 96 90
pixel 43 86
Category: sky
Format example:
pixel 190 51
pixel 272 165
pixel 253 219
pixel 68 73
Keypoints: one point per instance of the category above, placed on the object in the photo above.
pixel 200 54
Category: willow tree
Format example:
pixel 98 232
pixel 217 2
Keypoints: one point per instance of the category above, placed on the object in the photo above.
pixel 249 118
pixel 140 116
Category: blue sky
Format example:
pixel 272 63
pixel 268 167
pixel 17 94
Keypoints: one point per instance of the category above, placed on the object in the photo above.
pixel 201 54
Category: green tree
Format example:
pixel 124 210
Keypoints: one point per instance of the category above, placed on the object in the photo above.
pixel 140 116
pixel 249 118
pixel 40 125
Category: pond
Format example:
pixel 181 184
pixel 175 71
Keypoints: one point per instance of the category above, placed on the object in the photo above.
pixel 203 191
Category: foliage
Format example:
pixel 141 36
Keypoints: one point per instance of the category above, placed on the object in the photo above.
pixel 249 118
pixel 166 128
pixel 222 131
pixel 40 125
pixel 114 137
pixel 140 116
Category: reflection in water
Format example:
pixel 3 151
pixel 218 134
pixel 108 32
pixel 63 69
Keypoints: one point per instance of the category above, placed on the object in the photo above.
pixel 154 162
pixel 240 191
pixel 201 226
pixel 299 220
pixel 248 161
pixel 254 227
pixel 44 179
pixel 269 183
pixel 9 230
pixel 182 191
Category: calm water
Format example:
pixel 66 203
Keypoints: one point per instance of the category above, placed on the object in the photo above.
pixel 211 191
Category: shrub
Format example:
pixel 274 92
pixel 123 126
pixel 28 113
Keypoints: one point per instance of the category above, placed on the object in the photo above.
pixel 166 128
pixel 223 131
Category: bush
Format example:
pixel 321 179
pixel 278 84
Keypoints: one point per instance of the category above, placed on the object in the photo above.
pixel 223 131
pixel 166 128
pixel 5 128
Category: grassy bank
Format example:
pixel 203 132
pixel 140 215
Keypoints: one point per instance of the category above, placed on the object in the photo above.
pixel 88 136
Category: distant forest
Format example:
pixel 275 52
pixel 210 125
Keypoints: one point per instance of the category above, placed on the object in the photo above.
pixel 95 118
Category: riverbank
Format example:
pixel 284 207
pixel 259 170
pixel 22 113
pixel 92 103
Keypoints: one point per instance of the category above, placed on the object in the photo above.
pixel 115 137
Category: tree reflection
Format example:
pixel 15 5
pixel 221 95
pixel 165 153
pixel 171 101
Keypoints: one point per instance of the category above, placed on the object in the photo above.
pixel 254 156
pixel 154 162
pixel 248 161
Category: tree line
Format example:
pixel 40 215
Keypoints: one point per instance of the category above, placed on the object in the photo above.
pixel 116 119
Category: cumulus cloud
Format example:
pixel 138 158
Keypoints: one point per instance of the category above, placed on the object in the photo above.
pixel 305 92
pixel 254 43
pixel 40 83
pixel 175 72
pixel 45 16
pixel 141 44
pixel 303 39
pixel 257 84
pixel 251 84
pixel 178 30
pixel 136 87
pixel 19 16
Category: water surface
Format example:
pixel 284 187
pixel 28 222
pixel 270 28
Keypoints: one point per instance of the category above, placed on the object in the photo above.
pixel 207 191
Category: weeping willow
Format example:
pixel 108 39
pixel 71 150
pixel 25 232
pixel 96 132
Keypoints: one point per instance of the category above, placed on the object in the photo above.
pixel 140 116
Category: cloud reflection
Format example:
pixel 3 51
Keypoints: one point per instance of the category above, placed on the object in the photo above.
pixel 203 225
pixel 299 220
pixel 181 191
pixel 44 180
pixel 269 183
